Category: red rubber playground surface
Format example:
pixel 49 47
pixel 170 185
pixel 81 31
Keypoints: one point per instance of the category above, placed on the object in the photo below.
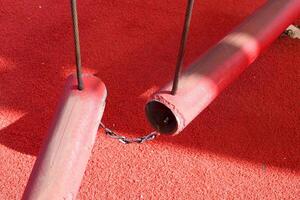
pixel 245 145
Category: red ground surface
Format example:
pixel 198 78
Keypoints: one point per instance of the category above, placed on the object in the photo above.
pixel 246 145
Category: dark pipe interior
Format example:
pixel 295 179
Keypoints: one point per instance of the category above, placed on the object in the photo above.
pixel 161 117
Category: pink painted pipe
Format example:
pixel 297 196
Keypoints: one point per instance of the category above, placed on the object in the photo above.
pixel 59 168
pixel 203 81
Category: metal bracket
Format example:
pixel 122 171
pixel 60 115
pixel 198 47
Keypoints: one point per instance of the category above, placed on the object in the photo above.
pixel 293 32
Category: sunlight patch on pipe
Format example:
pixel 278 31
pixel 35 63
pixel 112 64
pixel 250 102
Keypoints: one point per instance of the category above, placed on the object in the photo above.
pixel 245 42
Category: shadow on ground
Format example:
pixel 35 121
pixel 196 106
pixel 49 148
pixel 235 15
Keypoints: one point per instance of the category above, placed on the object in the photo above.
pixel 254 120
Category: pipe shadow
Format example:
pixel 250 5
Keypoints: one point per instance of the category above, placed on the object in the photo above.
pixel 254 119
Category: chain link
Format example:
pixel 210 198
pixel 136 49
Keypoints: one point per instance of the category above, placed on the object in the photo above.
pixel 125 140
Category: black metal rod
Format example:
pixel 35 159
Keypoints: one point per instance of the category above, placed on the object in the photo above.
pixel 184 36
pixel 77 44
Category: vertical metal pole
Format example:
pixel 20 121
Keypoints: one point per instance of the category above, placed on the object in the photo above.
pixel 184 36
pixel 77 44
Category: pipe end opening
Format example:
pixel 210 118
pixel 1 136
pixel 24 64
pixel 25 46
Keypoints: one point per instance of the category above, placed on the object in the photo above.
pixel 161 117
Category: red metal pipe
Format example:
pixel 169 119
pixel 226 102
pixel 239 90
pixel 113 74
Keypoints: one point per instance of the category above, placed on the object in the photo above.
pixel 59 168
pixel 201 83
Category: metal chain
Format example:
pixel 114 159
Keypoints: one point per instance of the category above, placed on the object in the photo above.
pixel 109 132
pixel 125 140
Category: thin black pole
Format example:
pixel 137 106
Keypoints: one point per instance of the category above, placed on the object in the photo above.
pixel 184 36
pixel 77 44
